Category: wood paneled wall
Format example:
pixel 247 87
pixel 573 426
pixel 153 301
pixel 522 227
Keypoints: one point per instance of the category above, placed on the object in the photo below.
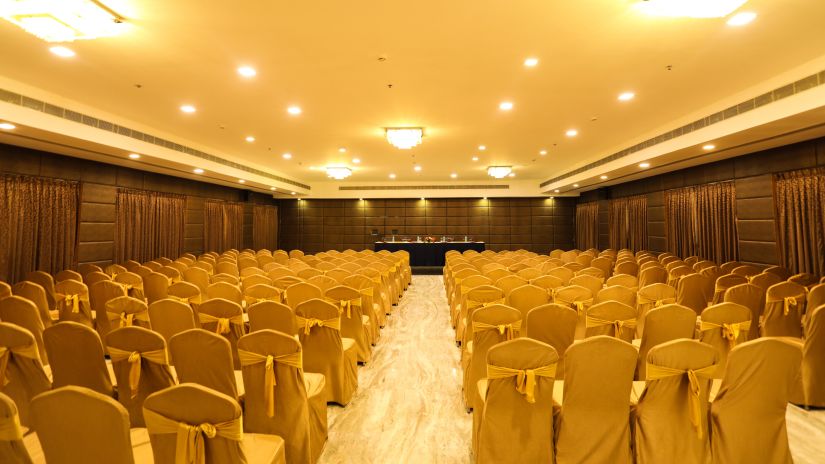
pixel 537 224
pixel 99 184
pixel 753 177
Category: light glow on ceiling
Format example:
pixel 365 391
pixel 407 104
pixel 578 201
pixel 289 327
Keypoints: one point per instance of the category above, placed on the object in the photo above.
pixel 356 160
pixel 250 139
pixel 531 62
pixel 709 147
pixel 134 156
pixel 505 106
pixel 241 181
pixel 287 156
pixel 7 126
pixel 482 147
pixel 404 138
pixel 63 20
pixel 417 168
pixel 294 110
pixel 247 71
pixel 543 152
pixel 603 177
pixel 392 175
pixel 571 133
pixel 626 96
pixel 338 172
pixel 689 8
pixel 188 109
pixel 499 172
pixel 62 52
pixel 453 175
pixel 644 165
pixel 475 158
pixel 198 171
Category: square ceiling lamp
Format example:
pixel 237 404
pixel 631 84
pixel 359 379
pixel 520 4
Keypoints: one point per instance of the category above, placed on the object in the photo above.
pixel 689 8
pixel 499 172
pixel 339 172
pixel 63 20
pixel 404 138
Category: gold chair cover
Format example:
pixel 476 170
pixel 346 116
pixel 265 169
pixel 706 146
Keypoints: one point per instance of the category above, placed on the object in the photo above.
pixel 23 313
pixel 752 297
pixel 21 373
pixel 204 358
pixel 664 324
pixel 723 326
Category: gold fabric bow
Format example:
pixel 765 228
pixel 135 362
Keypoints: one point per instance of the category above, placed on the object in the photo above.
pixel 472 304
pixel 189 446
pixel 248 358
pixel 26 351
pixel 618 324
pixel 655 372
pixel 664 301
pixel 730 332
pixel 309 323
pixel 525 378
pixel 134 357
pixel 787 303
pixel 345 306
pixel 72 301
pixel 224 325
pixel 508 331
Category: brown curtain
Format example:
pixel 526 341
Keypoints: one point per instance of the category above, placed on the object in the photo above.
pixel 38 225
pixel 627 222
pixel 148 225
pixel 799 197
pixel 265 227
pixel 587 225
pixel 222 225
pixel 701 221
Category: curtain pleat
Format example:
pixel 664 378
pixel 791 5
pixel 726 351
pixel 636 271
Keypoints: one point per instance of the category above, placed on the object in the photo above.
pixel 627 221
pixel 265 227
pixel 148 225
pixel 222 225
pixel 701 221
pixel 799 197
pixel 587 225
pixel 38 225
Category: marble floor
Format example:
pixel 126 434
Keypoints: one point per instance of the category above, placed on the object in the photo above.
pixel 408 406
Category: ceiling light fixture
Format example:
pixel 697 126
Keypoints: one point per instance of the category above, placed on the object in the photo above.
pixel 134 156
pixel 7 126
pixel 338 172
pixel 571 133
pixel 188 109
pixel 392 175
pixel 404 138
pixel 250 139
pixel 356 160
pixel 626 96
pixel 709 147
pixel 63 20
pixel 287 156
pixel 247 71
pixel 273 188
pixel 603 177
pixel 482 147
pixel 557 190
pixel 531 62
pixel 241 181
pixel 475 158
pixel 292 193
pixel 644 165
pixel 543 152
pixel 62 52
pixel 417 168
pixel 453 175
pixel 505 106
pixel 740 19
pixel 342 150
pixel 294 110
pixel 689 8
pixel 198 171
pixel 499 172
pixel 575 185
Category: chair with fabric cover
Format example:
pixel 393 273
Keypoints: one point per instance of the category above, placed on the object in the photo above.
pixel 225 291
pixel 603 263
pixel 547 282
pixel 670 266
pixel 611 318
pixel 675 275
pixel 729 266
pixel 323 282
pixel 197 276
pixel 153 265
pixel 513 416
pixel 45 280
pixel 77 357
pixel 704 264
pixel 663 324
pixel 141 366
pixel 155 286
pixel 126 311
pixel 812 392
pixel 300 292
pixel 354 323
pixel 338 274
pixel 171 273
pixel 185 292
pixel 271 315
pixel 692 291
pixel 710 273
pixel 227 267
pixel 325 351
pixel 224 318
pixel 94 277
pixel 592 271
pixel 37 295
pixel 765 280
pixel 623 280
pixel 815 298
pixel 225 278
pixel 214 423
pixel 562 273
pixel 746 270
pixel 22 376
pixel 752 297
pixel 554 325
pixel 170 317
pixel 626 267
pixel 748 414
pixel 529 273
pixel 652 275
pixel 12 448
pixel 780 271
pixel 78 425
pixel 204 358
pixel 723 326
pixel 296 253
pixel 671 416
pixel 255 279
pixel 574 266
pixel 592 425
pixel 594 284
pixel 509 282
pixel 723 283
pixel 618 293
pixel 527 297
pixel 280 398
pixel 5 290
pixel 261 292
pixel 578 298
pixel 74 305
pixel 87 268
pixel 490 325
pixel 369 304
pixel 133 284
pixel 474 298
pixel 784 307
pixel 23 313
pixel 584 259
pixel 180 265
pixel 461 288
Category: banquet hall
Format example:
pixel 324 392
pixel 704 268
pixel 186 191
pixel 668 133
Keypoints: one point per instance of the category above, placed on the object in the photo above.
pixel 433 232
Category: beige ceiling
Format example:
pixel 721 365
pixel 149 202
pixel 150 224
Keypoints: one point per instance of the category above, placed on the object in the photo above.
pixel 450 64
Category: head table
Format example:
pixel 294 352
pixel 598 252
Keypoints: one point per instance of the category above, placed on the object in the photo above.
pixel 428 254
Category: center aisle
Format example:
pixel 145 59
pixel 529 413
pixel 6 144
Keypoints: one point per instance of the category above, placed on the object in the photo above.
pixel 408 407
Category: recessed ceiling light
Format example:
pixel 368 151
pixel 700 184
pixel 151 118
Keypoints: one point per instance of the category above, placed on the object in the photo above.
pixel 188 108
pixel 505 106
pixel 134 156
pixel 453 175
pixel 287 156
pixel 603 177
pixel 543 152
pixel 7 126
pixel 709 147
pixel 250 139
pixel 62 52
pixel 294 110
pixel 740 19
pixel 417 168
pixel 475 158
pixel 571 133
pixel 198 171
pixel 557 190
pixel 292 193
pixel 342 150
pixel 356 160
pixel 626 96
pixel 423 199
pixel 644 165
pixel 247 71
pixel 482 147
pixel 531 62
pixel 392 176
pixel 241 181
pixel 575 185
pixel 273 188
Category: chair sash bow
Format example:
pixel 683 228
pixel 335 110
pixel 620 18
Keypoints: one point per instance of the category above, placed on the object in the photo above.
pixel 224 325
pixel 655 372
pixel 26 351
pixel 508 331
pixel 249 358
pixel 190 444
pixel 618 324
pixel 309 323
pixel 134 357
pixel 525 378
pixel 730 331
pixel 472 304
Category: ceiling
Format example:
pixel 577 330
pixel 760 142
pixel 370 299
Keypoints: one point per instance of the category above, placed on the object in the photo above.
pixel 357 67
